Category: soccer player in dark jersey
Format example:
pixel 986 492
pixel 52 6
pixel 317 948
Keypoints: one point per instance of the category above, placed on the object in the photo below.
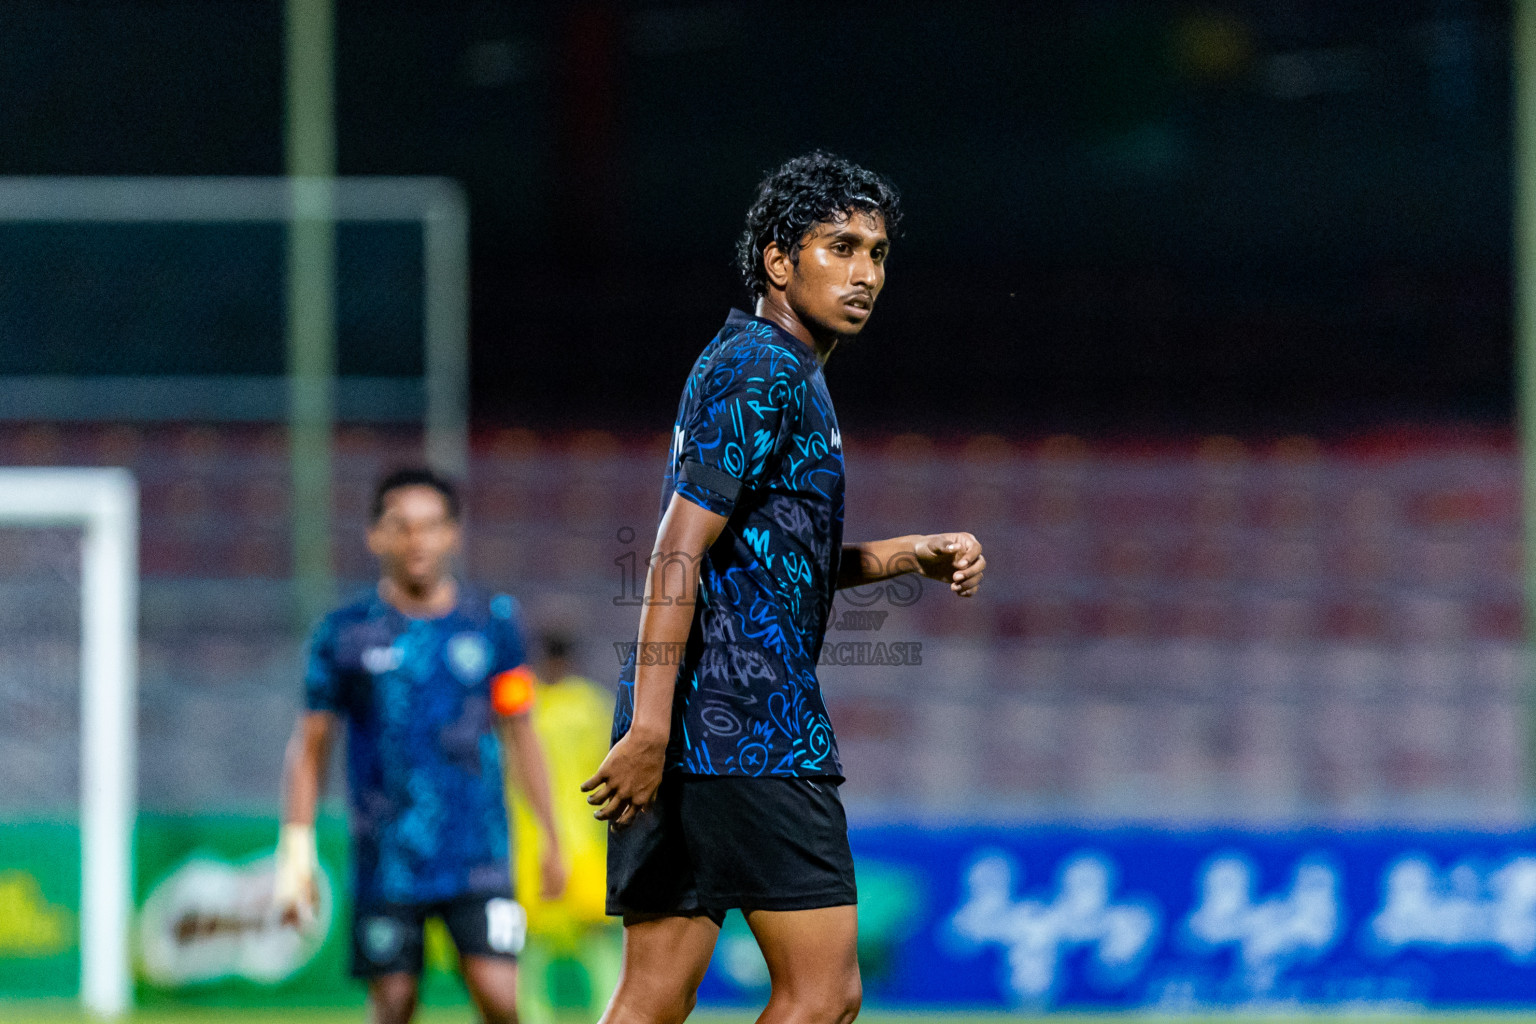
pixel 427 675
pixel 721 785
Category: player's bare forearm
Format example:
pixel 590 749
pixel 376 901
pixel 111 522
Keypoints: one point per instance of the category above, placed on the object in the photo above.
pixel 531 774
pixel 671 586
pixel 871 561
pixel 304 764
pixel 663 629
pixel 629 776
pixel 953 558
pixel 530 771
pixel 305 760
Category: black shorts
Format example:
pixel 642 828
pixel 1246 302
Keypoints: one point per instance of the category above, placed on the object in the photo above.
pixel 710 843
pixel 387 937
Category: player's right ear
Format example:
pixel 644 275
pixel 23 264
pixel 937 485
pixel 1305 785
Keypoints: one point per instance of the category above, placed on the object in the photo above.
pixel 777 265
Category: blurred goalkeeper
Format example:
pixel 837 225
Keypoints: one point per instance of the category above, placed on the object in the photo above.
pixel 427 675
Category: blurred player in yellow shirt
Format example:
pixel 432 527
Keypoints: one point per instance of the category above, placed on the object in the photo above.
pixel 571 963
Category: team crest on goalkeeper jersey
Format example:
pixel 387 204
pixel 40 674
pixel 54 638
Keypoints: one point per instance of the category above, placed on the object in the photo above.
pixel 379 660
pixel 468 656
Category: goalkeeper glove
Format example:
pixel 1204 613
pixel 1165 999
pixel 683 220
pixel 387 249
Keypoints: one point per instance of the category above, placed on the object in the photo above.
pixel 295 893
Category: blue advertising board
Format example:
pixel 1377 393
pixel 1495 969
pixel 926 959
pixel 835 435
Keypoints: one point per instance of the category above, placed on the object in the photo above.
pixel 1094 919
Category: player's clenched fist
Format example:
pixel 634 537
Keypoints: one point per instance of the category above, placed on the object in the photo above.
pixel 627 780
pixel 954 558
pixel 295 892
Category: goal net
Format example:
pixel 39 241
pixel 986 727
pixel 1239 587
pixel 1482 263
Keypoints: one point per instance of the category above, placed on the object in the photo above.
pixel 100 506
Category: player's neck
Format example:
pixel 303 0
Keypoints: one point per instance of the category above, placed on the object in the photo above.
pixel 775 310
pixel 428 601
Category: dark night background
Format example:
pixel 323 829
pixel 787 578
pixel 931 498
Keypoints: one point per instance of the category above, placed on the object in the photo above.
pixel 1121 216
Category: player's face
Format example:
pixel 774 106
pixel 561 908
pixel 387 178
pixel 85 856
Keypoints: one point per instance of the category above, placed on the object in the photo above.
pixel 833 285
pixel 415 536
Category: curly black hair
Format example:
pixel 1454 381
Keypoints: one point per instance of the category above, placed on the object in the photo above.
pixel 817 188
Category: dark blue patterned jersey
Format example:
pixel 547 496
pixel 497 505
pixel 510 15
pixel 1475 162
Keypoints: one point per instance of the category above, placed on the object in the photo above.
pixel 756 441
pixel 424 778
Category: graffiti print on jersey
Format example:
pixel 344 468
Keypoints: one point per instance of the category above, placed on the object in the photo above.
pixel 756 440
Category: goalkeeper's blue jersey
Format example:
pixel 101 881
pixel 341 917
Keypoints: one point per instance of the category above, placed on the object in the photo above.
pixel 756 440
pixel 423 763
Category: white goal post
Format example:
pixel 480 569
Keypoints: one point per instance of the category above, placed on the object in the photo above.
pixel 105 504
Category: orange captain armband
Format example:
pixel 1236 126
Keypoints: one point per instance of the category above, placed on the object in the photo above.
pixel 512 691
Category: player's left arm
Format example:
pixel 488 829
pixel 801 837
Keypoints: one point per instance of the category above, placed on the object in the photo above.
pixel 530 771
pixel 953 558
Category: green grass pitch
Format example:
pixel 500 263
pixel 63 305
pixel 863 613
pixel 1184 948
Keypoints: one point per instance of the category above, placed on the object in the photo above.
pixel 64 1013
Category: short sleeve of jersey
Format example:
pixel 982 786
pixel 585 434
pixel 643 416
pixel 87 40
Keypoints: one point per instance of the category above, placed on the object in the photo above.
pixel 511 678
pixel 736 427
pixel 322 680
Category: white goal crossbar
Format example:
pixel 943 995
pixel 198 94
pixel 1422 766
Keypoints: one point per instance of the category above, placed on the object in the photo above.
pixel 104 503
